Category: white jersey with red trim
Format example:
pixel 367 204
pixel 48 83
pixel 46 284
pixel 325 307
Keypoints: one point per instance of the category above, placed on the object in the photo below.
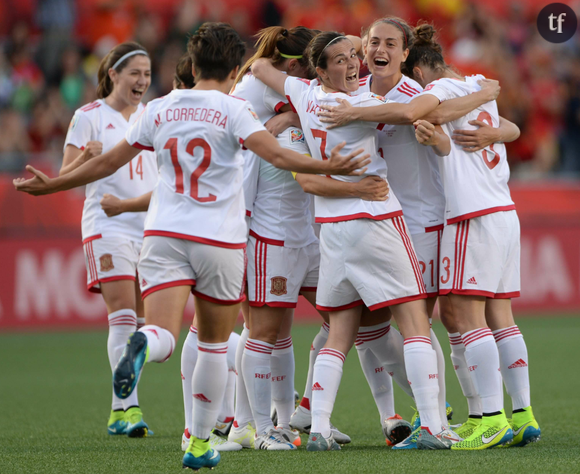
pixel 475 183
pixel 413 168
pixel 99 122
pixel 306 98
pixel 197 137
pixel 266 103
pixel 282 208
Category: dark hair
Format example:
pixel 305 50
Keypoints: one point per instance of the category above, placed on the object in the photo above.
pixel 407 34
pixel 105 86
pixel 183 73
pixel 316 51
pixel 216 50
pixel 275 41
pixel 425 51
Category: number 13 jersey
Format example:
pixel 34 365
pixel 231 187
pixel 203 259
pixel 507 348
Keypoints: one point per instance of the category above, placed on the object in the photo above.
pixel 99 122
pixel 197 136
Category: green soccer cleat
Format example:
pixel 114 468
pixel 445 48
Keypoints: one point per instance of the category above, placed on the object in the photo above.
pixel 493 432
pixel 200 454
pixel 117 424
pixel 466 429
pixel 415 420
pixel 128 369
pixel 136 427
pixel 525 427
pixel 448 411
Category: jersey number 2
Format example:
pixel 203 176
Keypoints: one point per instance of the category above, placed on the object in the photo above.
pixel 171 145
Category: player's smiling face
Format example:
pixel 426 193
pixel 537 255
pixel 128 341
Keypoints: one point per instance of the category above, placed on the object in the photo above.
pixel 132 82
pixel 385 50
pixel 342 67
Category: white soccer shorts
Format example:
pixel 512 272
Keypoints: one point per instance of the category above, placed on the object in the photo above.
pixel 481 256
pixel 110 259
pixel 216 274
pixel 427 247
pixel 367 261
pixel 277 274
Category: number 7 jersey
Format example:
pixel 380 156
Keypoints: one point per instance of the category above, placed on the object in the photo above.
pixel 197 137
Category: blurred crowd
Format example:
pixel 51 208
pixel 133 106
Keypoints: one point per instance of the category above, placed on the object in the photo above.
pixel 50 51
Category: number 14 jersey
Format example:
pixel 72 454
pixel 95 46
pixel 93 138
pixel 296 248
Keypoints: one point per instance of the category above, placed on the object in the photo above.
pixel 197 136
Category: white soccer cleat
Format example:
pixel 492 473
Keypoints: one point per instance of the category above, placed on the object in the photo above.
pixel 442 440
pixel 339 437
pixel 223 428
pixel 291 435
pixel 273 440
pixel 301 420
pixel 242 435
pixel 396 429
pixel 216 442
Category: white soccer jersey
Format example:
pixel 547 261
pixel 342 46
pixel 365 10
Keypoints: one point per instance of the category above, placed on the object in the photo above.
pixel 475 183
pixel 266 103
pixel 99 122
pixel 197 136
pixel 282 208
pixel 413 168
pixel 306 98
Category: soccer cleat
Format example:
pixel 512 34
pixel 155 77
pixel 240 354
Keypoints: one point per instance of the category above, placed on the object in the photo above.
pixel 293 436
pixel 317 442
pixel 494 431
pixel 443 440
pixel 200 454
pixel 244 435
pixel 449 411
pixel 410 442
pixel 340 438
pixel 396 429
pixel 117 424
pixel 466 429
pixel 216 442
pixel 525 427
pixel 222 428
pixel 415 420
pixel 130 365
pixel 136 427
pixel 301 420
pixel 273 440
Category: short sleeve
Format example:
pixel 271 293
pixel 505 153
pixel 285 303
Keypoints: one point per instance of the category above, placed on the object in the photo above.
pixel 273 100
pixel 141 133
pixel 80 131
pixel 294 87
pixel 246 122
pixel 438 90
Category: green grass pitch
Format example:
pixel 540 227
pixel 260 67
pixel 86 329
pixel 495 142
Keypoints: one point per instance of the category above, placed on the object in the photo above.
pixel 55 398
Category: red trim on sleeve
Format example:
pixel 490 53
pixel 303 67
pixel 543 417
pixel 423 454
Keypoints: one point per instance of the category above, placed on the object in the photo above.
pixel 291 104
pixel 211 299
pixel 340 308
pixel 169 284
pixel 483 212
pixel 248 213
pixel 92 237
pixel 193 238
pixel 360 215
pixel 278 106
pixel 142 147
pixel 434 228
pixel 278 243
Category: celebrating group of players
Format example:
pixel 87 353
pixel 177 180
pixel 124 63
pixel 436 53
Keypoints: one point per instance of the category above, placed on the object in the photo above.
pixel 409 173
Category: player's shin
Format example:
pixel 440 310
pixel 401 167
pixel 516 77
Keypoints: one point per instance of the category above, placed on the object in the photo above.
pixel 441 377
pixel 317 344
pixel 188 362
pixel 283 380
pixel 462 372
pixel 380 382
pixel 243 412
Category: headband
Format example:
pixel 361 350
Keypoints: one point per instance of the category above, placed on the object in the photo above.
pixel 290 56
pixel 402 29
pixel 329 43
pixel 128 55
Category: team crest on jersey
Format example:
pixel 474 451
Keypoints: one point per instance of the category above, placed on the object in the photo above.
pixel 106 262
pixel 429 87
pixel 379 97
pixel 254 114
pixel 73 123
pixel 296 136
pixel 279 286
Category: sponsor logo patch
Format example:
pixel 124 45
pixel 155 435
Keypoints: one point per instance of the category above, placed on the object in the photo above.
pixel 378 97
pixel 73 123
pixel 296 136
pixel 106 262
pixel 279 286
pixel 254 114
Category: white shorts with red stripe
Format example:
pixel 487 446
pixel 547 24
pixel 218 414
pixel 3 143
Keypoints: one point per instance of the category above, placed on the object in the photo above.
pixel 369 262
pixel 427 247
pixel 110 259
pixel 216 274
pixel 481 256
pixel 277 274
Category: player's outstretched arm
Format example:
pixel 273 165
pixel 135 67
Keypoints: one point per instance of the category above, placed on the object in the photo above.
pixel 371 188
pixel 113 206
pixel 432 135
pixel 266 146
pixel 485 135
pixel 263 70
pixel 93 170
pixel 453 109
pixel 73 157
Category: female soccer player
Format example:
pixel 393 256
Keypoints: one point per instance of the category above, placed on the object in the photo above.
pixel 112 245
pixel 195 234
pixel 366 253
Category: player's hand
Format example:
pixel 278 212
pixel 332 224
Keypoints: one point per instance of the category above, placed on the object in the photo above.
pixel 112 205
pixel 37 186
pixel 373 188
pixel 92 149
pixel 491 87
pixel 475 140
pixel 280 122
pixel 353 164
pixel 425 133
pixel 337 116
